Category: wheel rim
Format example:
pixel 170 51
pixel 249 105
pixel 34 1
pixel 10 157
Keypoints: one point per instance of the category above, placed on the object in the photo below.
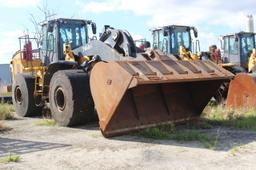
pixel 59 99
pixel 18 95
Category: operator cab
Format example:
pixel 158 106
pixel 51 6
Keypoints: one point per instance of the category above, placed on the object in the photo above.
pixel 238 47
pixel 169 39
pixel 56 33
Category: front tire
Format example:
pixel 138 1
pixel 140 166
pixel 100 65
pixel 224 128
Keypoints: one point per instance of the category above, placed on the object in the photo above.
pixel 70 98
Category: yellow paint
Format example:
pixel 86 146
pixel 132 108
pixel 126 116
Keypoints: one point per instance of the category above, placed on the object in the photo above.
pixel 187 55
pixel 34 67
pixel 252 60
pixel 37 70
pixel 69 56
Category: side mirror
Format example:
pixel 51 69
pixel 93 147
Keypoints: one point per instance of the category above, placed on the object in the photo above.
pixel 236 37
pixel 94 28
pixel 195 32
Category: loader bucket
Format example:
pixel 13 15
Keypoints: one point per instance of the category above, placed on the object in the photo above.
pixel 131 95
pixel 242 91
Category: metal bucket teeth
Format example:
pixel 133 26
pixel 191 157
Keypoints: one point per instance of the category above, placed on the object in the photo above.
pixel 130 95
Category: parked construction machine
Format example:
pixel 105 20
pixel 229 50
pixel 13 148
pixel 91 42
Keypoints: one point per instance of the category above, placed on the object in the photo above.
pixel 237 49
pixel 178 40
pixel 81 79
pixel 239 57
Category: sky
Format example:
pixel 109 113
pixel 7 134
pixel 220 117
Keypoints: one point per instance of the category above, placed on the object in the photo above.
pixel 212 18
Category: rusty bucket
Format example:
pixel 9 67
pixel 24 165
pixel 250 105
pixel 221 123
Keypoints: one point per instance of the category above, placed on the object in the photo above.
pixel 131 95
pixel 242 91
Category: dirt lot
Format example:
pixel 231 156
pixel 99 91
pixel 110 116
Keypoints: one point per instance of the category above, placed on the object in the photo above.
pixel 42 147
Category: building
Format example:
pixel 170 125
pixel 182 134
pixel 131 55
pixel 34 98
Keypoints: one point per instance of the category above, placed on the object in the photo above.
pixel 5 74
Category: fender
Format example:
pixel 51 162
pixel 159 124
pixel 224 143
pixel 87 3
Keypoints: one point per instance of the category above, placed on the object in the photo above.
pixel 54 67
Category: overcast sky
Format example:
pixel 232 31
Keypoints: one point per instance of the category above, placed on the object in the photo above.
pixel 211 17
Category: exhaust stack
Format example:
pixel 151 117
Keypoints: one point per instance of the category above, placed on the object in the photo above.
pixel 250 23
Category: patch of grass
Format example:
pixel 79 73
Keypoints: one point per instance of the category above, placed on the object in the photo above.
pixel 194 135
pixel 168 132
pixel 235 150
pixel 95 135
pixel 46 122
pixel 6 111
pixel 201 124
pixel 159 132
pixel 153 133
pixel 10 158
pixel 212 103
pixel 6 94
pixel 240 118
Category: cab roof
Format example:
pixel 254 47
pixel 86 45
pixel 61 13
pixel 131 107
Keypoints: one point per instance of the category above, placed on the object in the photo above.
pixel 60 20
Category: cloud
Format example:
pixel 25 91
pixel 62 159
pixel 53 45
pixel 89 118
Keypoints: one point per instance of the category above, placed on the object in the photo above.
pixel 207 39
pixel 224 16
pixel 136 36
pixel 19 3
pixel 162 12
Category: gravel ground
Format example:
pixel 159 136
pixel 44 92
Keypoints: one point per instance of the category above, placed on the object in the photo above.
pixel 42 147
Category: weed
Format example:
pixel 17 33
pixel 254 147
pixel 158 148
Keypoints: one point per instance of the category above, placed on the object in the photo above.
pixel 46 122
pixel 6 111
pixel 194 135
pixel 153 133
pixel 235 150
pixel 240 118
pixel 10 158
pixel 168 132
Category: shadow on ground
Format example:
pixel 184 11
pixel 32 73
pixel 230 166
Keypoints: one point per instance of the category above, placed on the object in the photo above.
pixel 15 146
pixel 226 139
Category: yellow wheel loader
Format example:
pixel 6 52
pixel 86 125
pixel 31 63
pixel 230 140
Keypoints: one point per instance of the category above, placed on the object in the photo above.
pixel 182 42
pixel 82 80
pixel 178 40
pixel 239 51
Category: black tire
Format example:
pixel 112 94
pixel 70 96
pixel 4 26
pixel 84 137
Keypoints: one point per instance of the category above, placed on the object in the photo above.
pixel 23 96
pixel 221 95
pixel 70 98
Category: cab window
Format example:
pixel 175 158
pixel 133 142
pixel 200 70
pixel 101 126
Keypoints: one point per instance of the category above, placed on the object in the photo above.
pixel 233 45
pixel 226 45
pixel 74 34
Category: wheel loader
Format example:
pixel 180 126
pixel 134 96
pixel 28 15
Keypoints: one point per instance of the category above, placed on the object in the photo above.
pixel 239 53
pixel 81 79
pixel 178 40
pixel 181 41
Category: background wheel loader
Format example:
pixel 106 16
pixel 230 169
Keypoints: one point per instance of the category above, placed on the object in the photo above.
pixel 178 40
pixel 239 57
pixel 82 80
pixel 181 41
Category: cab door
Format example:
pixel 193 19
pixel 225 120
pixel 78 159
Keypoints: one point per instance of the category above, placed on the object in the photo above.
pixel 49 44
pixel 231 52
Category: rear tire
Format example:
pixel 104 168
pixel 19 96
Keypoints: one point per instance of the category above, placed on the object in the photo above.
pixel 23 96
pixel 70 98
